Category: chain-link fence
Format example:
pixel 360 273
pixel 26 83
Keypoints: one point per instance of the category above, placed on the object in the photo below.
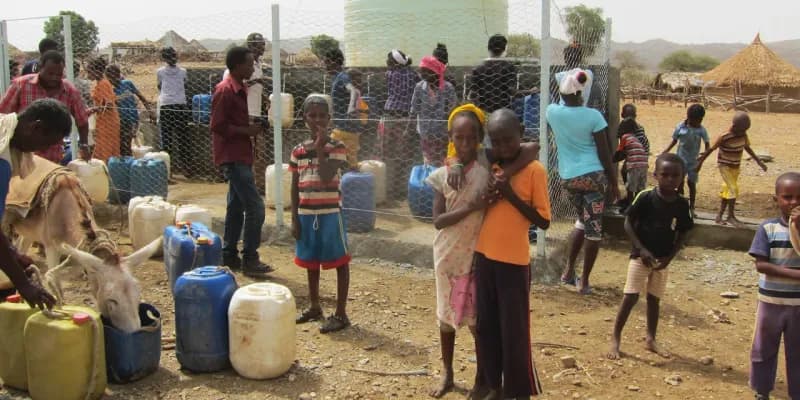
pixel 389 110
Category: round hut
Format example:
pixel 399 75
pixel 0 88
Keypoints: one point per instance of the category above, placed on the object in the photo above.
pixel 758 79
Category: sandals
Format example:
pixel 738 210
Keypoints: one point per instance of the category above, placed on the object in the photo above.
pixel 308 316
pixel 334 323
pixel 257 270
pixel 571 281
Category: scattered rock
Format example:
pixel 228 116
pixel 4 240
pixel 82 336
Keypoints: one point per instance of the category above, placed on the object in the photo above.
pixel 577 382
pixel 548 352
pixel 633 388
pixel 607 319
pixel 692 327
pixel 707 360
pixel 673 380
pixel 568 362
pixel 730 295
pixel 305 396
pixel 582 333
pixel 576 395
pixel 363 361
pixel 292 377
pixel 719 316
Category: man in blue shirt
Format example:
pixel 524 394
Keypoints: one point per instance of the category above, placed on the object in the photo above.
pixel 44 123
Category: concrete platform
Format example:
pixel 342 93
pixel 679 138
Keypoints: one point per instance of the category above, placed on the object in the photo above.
pixel 402 239
pixel 706 232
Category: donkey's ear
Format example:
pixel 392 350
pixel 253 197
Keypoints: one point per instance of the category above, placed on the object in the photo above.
pixel 141 255
pixel 88 261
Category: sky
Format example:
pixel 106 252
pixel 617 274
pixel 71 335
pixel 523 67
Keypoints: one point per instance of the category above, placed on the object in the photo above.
pixel 681 21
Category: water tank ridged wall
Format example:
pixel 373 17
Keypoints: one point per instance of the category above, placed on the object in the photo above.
pixel 373 27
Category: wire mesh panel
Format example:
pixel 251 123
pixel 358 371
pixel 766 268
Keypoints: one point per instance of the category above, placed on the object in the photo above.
pixel 580 40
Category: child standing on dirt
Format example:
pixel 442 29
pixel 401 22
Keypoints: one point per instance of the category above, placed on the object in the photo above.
pixel 502 268
pixel 731 145
pixel 635 159
pixel 657 223
pixel 687 136
pixel 457 216
pixel 778 313
pixel 317 225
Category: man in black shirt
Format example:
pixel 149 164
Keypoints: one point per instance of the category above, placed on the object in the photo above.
pixel 493 83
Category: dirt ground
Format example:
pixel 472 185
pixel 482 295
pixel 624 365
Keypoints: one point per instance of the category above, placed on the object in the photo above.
pixel 392 308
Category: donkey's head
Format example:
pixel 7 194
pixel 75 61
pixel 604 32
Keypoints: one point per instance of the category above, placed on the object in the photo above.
pixel 116 291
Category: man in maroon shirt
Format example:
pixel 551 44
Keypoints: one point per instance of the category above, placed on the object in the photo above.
pixel 232 136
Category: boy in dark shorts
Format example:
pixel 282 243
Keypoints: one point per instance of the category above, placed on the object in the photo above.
pixel 778 314
pixel 502 268
pixel 657 223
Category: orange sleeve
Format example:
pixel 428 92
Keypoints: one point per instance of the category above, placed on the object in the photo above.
pixel 540 198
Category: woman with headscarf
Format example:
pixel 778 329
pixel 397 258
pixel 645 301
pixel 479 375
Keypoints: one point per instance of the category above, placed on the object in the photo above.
pixel 395 146
pixel 106 138
pixel 431 103
pixel 586 170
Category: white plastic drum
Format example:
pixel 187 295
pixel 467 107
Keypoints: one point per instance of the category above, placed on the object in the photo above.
pixel 287 110
pixel 140 151
pixel 262 330
pixel 193 213
pixel 93 175
pixel 378 170
pixel 148 220
pixel 271 189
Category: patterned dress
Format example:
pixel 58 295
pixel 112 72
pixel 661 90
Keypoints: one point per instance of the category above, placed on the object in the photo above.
pixel 453 248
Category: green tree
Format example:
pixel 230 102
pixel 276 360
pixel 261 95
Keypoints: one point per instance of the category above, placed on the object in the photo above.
pixel 84 33
pixel 586 28
pixel 321 44
pixel 523 45
pixel 631 69
pixel 686 61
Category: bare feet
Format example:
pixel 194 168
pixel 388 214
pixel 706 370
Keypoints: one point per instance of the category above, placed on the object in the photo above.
pixel 444 386
pixel 735 222
pixel 613 352
pixel 652 346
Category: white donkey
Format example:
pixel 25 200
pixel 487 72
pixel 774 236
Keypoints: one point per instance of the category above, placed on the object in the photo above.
pixel 61 219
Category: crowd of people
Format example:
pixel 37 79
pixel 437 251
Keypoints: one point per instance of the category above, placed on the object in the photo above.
pixel 489 189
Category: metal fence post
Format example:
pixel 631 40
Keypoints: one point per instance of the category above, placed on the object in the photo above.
pixel 66 22
pixel 5 78
pixel 544 101
pixel 276 111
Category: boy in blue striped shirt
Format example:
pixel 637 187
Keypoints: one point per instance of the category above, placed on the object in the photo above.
pixel 778 314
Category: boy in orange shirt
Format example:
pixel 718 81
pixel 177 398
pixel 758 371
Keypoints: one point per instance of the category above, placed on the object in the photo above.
pixel 502 268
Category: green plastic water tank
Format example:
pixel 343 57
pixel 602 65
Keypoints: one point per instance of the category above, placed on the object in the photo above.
pixel 372 28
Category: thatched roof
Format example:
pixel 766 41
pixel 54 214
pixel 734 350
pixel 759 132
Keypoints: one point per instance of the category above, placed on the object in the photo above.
pixel 755 65
pixel 675 81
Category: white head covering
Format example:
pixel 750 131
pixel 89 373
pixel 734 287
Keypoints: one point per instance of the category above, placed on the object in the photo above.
pixel 571 83
pixel 399 57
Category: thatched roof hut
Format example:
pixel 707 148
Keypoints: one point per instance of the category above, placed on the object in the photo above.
pixel 756 71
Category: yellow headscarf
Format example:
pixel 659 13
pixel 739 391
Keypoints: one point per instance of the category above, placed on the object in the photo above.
pixel 469 107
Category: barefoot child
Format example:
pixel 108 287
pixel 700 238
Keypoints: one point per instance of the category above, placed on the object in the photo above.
pixel 657 222
pixel 316 165
pixel 687 136
pixel 502 268
pixel 731 145
pixel 457 215
pixel 778 311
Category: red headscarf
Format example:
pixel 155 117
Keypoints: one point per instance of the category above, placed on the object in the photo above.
pixel 431 63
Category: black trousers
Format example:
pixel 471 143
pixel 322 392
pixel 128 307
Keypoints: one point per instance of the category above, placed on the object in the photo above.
pixel 504 341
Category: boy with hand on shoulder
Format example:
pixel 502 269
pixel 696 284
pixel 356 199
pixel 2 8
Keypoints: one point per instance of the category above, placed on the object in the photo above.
pixel 778 312
pixel 502 268
pixel 657 223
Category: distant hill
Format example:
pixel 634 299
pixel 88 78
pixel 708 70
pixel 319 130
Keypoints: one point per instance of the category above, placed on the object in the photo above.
pixel 652 52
